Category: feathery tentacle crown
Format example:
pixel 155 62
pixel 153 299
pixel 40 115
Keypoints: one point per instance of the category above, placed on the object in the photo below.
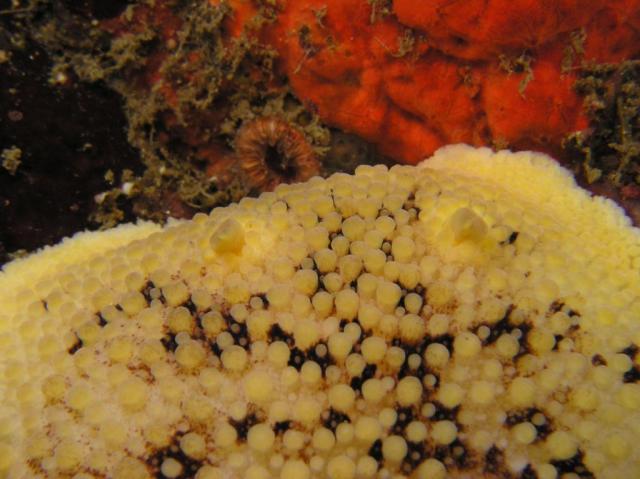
pixel 272 151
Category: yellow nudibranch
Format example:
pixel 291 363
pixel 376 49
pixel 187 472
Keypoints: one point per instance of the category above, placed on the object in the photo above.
pixel 475 316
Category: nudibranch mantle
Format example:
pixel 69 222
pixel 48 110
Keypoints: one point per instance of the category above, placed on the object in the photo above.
pixel 475 316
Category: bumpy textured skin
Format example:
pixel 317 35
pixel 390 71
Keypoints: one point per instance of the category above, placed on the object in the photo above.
pixel 459 81
pixel 475 316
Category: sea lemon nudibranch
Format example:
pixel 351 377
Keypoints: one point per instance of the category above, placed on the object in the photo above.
pixel 474 316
